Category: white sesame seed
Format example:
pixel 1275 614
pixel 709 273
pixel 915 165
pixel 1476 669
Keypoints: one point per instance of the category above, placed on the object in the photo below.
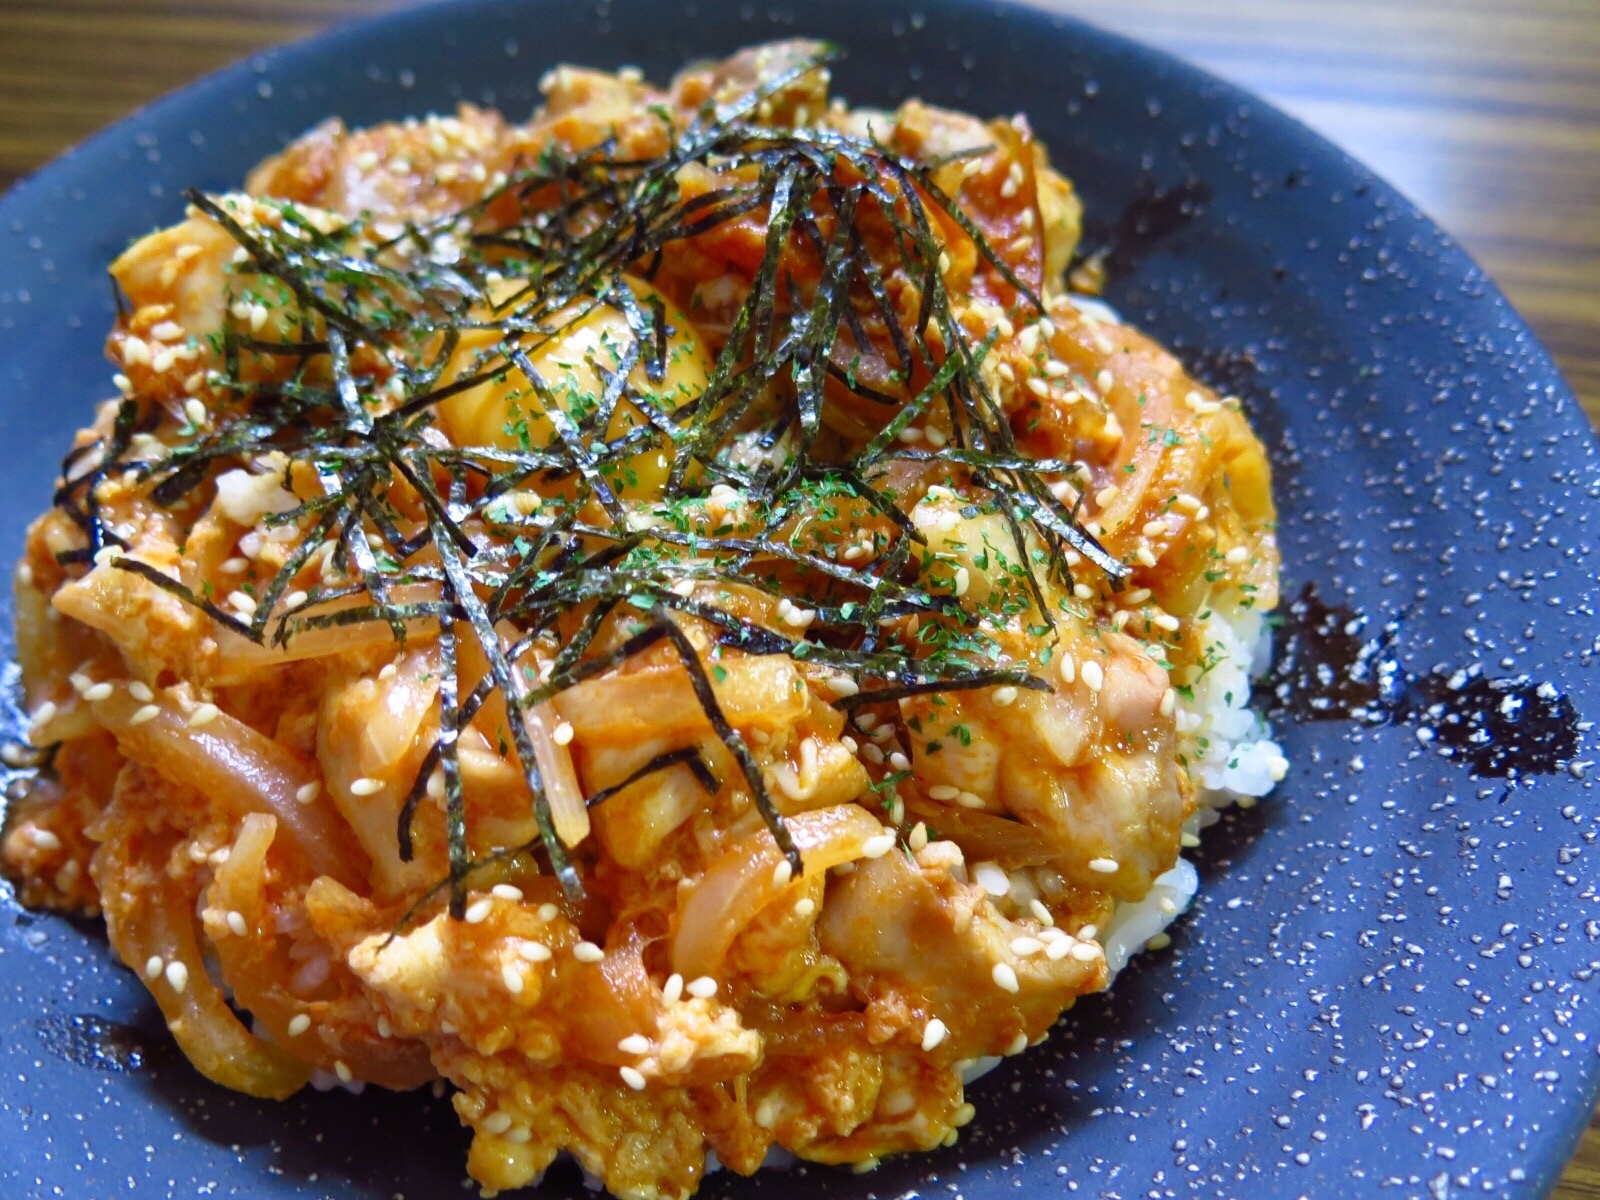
pixel 548 912
pixel 1169 701
pixel 1159 942
pixel 684 588
pixel 919 837
pixel 969 800
pixel 561 735
pixel 1059 948
pixel 1004 696
pixel 1105 866
pixel 511 976
pixel 366 786
pixel 44 839
pixel 701 989
pixel 842 685
pixel 177 976
pixel 258 317
pixel 781 874
pixel 135 352
pixel 933 1033
pixel 1144 556
pixel 236 923
pixel 243 602
pixel 910 435
pixel 295 599
pixel 80 682
pixel 963 581
pixel 1166 621
pixel 899 761
pixel 531 951
pixel 204 714
pixel 672 990
pixel 1042 914
pixel 943 791
pixel 148 712
pixel 1024 946
pixel 435 785
pixel 632 1077
pixel 195 411
pixel 234 566
pixel 634 1043
pixel 307 792
pixel 298 1024
pixel 1038 387
pixel 1088 933
pixel 1188 840
pixel 44 714
pixel 163 360
pixel 1005 978
pixel 97 691
pixel 153 966
pixel 587 952
pixel 122 383
pixel 495 1123
pixel 141 692
pixel 506 891
pixel 804 907
pixel 877 846
pixel 1094 676
pixel 1085 951
pixel 478 910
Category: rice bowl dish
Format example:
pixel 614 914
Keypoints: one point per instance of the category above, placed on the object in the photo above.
pixel 675 617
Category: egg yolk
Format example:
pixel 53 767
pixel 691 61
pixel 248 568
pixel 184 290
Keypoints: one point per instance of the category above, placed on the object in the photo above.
pixel 508 413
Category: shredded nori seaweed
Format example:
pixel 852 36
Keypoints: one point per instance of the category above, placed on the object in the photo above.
pixel 516 578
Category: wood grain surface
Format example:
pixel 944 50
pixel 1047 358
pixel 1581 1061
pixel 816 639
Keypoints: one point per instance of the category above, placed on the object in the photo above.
pixel 1485 112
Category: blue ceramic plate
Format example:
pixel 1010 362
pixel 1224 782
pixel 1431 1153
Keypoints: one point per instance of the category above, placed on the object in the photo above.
pixel 1385 988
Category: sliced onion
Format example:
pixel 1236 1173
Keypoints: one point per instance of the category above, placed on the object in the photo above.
pixel 764 691
pixel 567 809
pixel 568 813
pixel 740 883
pixel 983 835
pixel 239 770
pixel 239 659
pixel 258 971
pixel 149 915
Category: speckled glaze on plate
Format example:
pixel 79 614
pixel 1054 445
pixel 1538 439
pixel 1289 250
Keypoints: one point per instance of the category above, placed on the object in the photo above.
pixel 1385 987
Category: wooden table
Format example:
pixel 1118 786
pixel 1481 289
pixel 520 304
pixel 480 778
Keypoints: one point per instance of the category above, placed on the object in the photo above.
pixel 1486 112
